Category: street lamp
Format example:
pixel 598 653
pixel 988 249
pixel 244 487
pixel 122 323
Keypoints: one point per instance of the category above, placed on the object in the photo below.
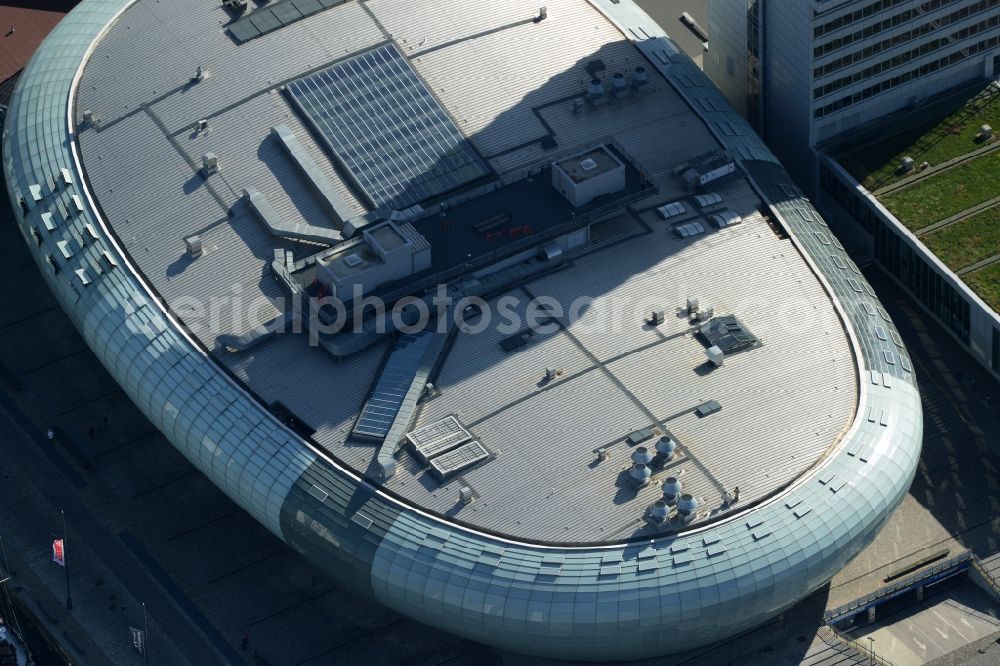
pixel 69 599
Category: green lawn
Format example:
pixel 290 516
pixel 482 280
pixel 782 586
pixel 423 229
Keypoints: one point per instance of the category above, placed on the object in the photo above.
pixel 986 283
pixel 964 243
pixel 945 194
pixel 934 141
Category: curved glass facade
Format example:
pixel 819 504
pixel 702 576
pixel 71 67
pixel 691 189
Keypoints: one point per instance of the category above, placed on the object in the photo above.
pixel 614 602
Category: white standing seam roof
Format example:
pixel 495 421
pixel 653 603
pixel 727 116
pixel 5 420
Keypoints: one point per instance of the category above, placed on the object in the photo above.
pixel 610 598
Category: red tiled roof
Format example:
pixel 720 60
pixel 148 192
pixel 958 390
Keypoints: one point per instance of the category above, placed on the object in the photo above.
pixel 31 21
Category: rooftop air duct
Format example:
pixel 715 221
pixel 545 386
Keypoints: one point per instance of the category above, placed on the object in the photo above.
pixel 639 78
pixel 640 474
pixel 659 512
pixel 671 489
pixel 617 84
pixel 665 447
pixel 642 455
pixel 595 90
pixel 686 506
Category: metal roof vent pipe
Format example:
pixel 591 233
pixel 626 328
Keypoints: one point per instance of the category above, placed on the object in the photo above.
pixel 640 474
pixel 617 84
pixel 665 448
pixel 686 506
pixel 671 487
pixel 642 455
pixel 659 512
pixel 639 79
pixel 595 90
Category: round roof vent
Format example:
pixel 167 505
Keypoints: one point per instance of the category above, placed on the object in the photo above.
pixel 687 504
pixel 659 511
pixel 665 446
pixel 642 455
pixel 671 487
pixel 640 474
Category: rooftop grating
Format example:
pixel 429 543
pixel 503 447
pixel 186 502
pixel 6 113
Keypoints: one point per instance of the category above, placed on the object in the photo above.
pixel 388 130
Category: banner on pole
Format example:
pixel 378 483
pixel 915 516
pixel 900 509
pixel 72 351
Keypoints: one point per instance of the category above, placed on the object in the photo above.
pixel 57 553
pixel 138 640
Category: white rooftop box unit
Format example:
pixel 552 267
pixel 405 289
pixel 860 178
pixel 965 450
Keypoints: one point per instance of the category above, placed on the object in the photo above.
pixel 715 355
pixel 725 218
pixel 670 210
pixel 706 200
pixel 583 177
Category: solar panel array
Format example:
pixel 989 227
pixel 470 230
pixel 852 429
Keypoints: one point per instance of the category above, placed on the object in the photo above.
pixel 387 129
pixel 276 15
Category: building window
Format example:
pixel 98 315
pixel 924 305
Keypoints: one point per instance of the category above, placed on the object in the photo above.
pixel 996 350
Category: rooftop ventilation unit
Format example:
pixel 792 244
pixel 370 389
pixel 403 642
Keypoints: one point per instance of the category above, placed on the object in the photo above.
pixel 725 218
pixel 986 132
pixel 689 229
pixel 659 512
pixel 906 164
pixel 617 84
pixel 657 318
pixel 194 247
pixel 588 164
pixel 465 495
pixel 236 6
pixel 686 507
pixel 665 448
pixel 639 78
pixel 595 90
pixel 704 313
pixel 551 374
pixel 209 164
pixel 672 209
pixel 671 487
pixel 692 305
pixel 642 455
pixel 199 75
pixel 706 200
pixel 640 474
pixel 353 260
pixel 542 14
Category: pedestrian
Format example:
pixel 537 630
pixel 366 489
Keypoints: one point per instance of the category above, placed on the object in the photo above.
pixel 246 641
